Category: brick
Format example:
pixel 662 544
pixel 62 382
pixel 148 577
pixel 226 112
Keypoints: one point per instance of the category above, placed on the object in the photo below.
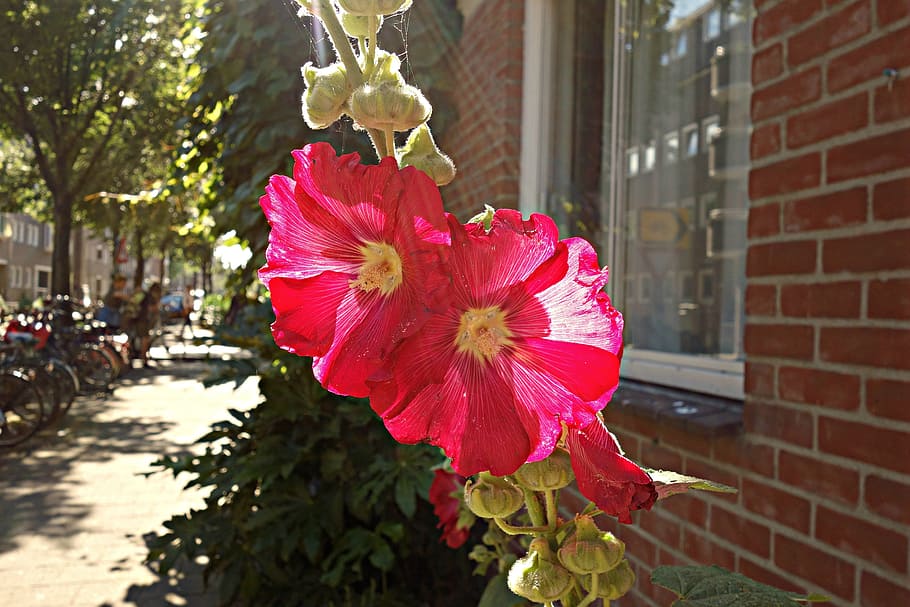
pixel 888 398
pixel 849 23
pixel 765 140
pixel 868 346
pixel 659 457
pixel 829 120
pixel 764 220
pixel 751 536
pixel 879 592
pixel 689 507
pixel 630 444
pixel 888 498
pixel 701 549
pixel 745 454
pixel 868 61
pixel 759 379
pixel 821 300
pixel 684 439
pixel 888 12
pixel 890 298
pixel 826 211
pixel 829 572
pixel 867 252
pixel 865 539
pixel 776 505
pixel 637 543
pixel 761 300
pixel 766 576
pixel 783 17
pixel 821 478
pixel 767 64
pixel 817 387
pixel 891 199
pixel 666 531
pixel 791 92
pixel 783 341
pixel 883 447
pixel 782 423
pixel 778 258
pixel 703 469
pixel 786 176
pixel 869 156
pixel 892 103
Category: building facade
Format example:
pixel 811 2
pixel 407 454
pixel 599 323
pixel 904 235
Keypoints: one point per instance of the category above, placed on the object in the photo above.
pixel 743 166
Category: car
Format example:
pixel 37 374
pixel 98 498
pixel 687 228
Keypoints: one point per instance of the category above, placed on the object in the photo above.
pixel 171 305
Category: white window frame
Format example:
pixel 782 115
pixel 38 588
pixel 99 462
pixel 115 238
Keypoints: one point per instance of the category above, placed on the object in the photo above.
pixel 668 137
pixel 709 374
pixel 707 35
pixel 688 130
pixel 38 288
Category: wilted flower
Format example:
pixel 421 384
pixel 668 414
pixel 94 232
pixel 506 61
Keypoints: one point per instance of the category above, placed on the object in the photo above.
pixel 529 342
pixel 355 254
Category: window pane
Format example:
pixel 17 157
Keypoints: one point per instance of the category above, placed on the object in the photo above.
pixel 670 218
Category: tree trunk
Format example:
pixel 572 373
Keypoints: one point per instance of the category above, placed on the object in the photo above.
pixel 60 258
pixel 139 277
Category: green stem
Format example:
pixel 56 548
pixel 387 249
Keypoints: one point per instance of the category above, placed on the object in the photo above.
pixel 390 141
pixel 552 516
pixel 516 530
pixel 592 596
pixel 534 510
pixel 372 40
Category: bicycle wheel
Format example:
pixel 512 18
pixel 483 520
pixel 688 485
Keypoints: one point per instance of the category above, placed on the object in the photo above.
pixel 94 368
pixel 21 408
pixel 67 383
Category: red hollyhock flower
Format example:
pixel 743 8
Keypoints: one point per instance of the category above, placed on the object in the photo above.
pixel 529 342
pixel 354 253
pixel 446 496
pixel 615 484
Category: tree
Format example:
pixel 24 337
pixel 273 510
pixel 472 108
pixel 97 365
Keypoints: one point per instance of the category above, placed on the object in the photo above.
pixel 92 89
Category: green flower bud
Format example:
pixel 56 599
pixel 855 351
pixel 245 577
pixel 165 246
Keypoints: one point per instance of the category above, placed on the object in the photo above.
pixel 492 496
pixel 400 107
pixel 420 151
pixel 358 26
pixel 366 8
pixel 590 550
pixel 554 472
pixel 306 5
pixel 538 577
pixel 613 584
pixel 327 91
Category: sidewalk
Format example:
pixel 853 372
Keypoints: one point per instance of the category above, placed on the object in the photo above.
pixel 74 506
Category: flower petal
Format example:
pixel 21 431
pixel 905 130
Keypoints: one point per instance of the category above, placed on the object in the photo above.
pixel 615 484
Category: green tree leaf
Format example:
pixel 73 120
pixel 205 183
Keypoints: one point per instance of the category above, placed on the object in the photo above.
pixel 713 586
pixel 497 594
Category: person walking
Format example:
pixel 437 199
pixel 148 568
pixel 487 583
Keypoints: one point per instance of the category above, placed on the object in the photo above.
pixel 144 320
pixel 111 313
pixel 187 311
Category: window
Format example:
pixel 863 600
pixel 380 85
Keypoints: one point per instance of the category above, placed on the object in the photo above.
pixel 48 237
pixel 27 279
pixel 671 147
pixel 99 253
pixel 645 209
pixel 33 235
pixel 43 279
pixel 16 278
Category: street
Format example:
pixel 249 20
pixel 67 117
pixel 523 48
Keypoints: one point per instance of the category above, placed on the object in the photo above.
pixel 74 504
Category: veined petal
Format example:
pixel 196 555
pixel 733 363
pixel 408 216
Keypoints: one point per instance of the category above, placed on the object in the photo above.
pixel 305 312
pixel 615 484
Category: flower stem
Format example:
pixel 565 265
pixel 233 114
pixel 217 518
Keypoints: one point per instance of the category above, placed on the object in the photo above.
pixel 372 41
pixel 390 141
pixel 534 510
pixel 516 530
pixel 552 516
pixel 592 596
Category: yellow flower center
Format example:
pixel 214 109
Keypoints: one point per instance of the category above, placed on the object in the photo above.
pixel 483 332
pixel 381 268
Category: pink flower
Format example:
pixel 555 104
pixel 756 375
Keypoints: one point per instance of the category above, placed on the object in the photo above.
pixel 446 496
pixel 354 256
pixel 528 343
pixel 615 484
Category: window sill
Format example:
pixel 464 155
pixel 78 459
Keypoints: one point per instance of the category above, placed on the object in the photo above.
pixel 701 414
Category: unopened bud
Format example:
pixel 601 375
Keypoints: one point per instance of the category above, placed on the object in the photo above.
pixel 590 550
pixel 420 151
pixel 327 91
pixel 538 577
pixel 492 496
pixel 366 8
pixel 485 217
pixel 358 26
pixel 554 472
pixel 389 105
pixel 613 584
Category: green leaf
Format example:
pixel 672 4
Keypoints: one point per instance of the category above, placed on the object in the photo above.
pixel 497 594
pixel 670 483
pixel 405 496
pixel 713 586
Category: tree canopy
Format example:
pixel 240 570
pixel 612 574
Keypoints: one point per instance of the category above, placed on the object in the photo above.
pixel 90 92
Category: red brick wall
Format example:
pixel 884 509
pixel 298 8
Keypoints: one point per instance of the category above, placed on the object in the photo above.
pixel 824 465
pixel 485 141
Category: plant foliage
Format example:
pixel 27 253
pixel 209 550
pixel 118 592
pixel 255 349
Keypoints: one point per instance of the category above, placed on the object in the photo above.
pixel 713 586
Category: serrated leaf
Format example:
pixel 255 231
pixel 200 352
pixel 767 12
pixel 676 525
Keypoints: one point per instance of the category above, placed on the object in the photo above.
pixel 713 586
pixel 670 483
pixel 497 594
